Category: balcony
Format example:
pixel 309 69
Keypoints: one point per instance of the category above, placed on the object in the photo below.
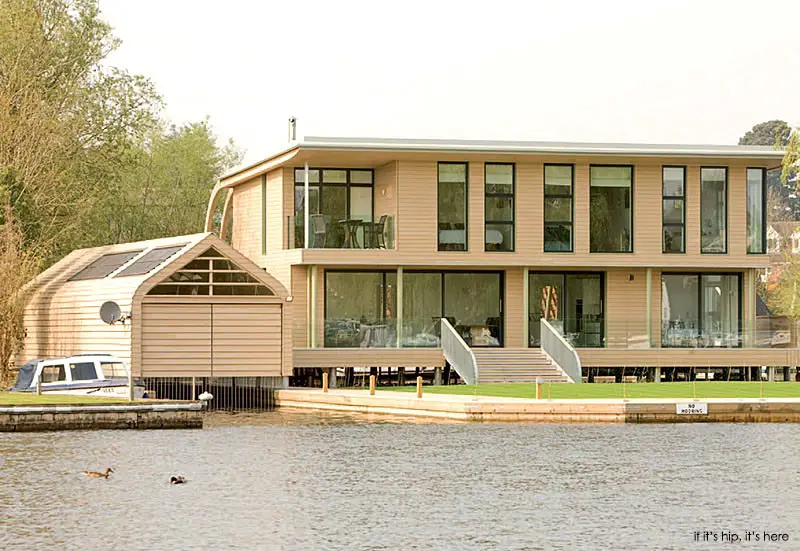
pixel 334 232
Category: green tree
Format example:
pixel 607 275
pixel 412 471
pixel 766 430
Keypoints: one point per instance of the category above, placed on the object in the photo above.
pixel 773 133
pixel 164 187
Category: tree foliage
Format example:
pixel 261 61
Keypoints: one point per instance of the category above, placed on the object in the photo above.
pixel 772 133
pixel 85 157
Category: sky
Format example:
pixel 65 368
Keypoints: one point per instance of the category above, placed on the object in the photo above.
pixel 699 71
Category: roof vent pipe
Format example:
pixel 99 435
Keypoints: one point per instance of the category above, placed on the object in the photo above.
pixel 292 129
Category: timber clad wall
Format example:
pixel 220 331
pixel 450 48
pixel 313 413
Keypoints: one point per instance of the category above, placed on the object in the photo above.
pixel 246 233
pixel 406 188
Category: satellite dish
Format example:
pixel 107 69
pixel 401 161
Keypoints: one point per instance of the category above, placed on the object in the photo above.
pixel 110 312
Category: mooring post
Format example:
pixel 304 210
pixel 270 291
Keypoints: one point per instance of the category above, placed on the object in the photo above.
pixel 324 381
pixel 419 386
pixel 372 385
pixel 538 389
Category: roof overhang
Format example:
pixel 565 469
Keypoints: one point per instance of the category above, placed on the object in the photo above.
pixel 376 151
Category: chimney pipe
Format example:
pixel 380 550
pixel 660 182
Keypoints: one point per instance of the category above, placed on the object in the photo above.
pixel 292 129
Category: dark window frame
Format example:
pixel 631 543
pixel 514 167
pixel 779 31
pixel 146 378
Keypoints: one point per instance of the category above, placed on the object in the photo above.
pixel 321 185
pixel 512 196
pixel 564 274
pixel 664 198
pixel 739 314
pixel 633 210
pixel 466 205
pixel 763 170
pixel 571 198
pixel 727 201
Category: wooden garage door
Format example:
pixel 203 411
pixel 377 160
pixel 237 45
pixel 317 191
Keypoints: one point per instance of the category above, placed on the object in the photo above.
pixel 202 340
pixel 176 340
pixel 246 339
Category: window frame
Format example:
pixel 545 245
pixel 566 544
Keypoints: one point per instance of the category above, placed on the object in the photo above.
pixel 466 205
pixel 727 201
pixel 700 304
pixel 764 247
pixel 633 214
pixel 664 198
pixel 512 196
pixel 321 185
pixel 571 198
pixel 564 274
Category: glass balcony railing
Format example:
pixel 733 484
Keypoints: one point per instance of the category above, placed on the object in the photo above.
pixel 335 232
pixel 767 332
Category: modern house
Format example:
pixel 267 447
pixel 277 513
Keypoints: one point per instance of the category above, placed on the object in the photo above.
pixel 511 260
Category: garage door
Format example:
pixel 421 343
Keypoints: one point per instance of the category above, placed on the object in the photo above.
pixel 201 340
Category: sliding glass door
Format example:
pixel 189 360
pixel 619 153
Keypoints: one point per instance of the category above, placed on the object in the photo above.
pixel 571 302
pixel 360 309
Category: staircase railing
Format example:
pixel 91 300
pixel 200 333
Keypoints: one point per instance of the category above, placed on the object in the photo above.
pixel 458 354
pixel 560 351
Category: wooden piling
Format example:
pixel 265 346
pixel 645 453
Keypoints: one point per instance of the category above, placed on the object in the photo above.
pixel 419 387
pixel 324 381
pixel 372 385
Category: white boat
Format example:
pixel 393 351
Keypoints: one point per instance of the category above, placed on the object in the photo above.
pixel 85 374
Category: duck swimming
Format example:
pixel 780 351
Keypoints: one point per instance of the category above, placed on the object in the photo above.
pixel 95 474
pixel 177 480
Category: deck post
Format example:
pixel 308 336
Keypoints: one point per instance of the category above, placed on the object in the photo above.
pixel 648 307
pixel 306 211
pixel 399 322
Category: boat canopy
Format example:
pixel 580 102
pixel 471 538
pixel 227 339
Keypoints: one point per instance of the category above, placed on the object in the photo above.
pixel 25 376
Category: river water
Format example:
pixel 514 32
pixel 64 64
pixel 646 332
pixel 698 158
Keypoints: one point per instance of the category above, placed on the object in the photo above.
pixel 312 481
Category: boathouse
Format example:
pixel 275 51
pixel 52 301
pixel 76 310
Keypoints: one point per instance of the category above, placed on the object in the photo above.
pixel 181 307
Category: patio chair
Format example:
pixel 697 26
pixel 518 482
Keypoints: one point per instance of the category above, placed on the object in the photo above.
pixel 320 231
pixel 375 231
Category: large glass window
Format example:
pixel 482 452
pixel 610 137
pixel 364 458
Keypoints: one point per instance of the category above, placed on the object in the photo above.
pixel 700 310
pixel 452 211
pixel 340 205
pixel 558 189
pixel 471 302
pixel 360 309
pixel 571 302
pixel 713 210
pixel 673 209
pixel 756 209
pixel 611 209
pixel 499 219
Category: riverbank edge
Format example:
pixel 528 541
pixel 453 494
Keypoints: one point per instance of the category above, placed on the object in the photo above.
pixel 160 415
pixel 489 409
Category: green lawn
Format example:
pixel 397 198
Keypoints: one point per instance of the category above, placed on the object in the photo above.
pixel 637 390
pixel 32 399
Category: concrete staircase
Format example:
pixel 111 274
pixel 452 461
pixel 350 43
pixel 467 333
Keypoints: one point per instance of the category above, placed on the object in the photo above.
pixel 516 365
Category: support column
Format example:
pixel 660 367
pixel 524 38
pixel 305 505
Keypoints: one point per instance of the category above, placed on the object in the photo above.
pixel 526 314
pixel 657 374
pixel 312 301
pixel 399 330
pixel 306 211
pixel 437 376
pixel 332 377
pixel 771 374
pixel 648 307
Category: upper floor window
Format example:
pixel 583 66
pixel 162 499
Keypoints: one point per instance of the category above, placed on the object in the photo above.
pixel 756 209
pixel 340 207
pixel 611 209
pixel 452 203
pixel 713 209
pixel 558 189
pixel 673 209
pixel 499 210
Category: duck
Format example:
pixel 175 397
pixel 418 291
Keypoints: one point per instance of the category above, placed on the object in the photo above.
pixel 95 474
pixel 177 480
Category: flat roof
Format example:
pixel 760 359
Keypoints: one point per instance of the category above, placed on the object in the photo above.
pixel 333 143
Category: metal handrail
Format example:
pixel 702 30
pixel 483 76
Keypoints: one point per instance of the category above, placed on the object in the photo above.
pixel 458 354
pixel 563 355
